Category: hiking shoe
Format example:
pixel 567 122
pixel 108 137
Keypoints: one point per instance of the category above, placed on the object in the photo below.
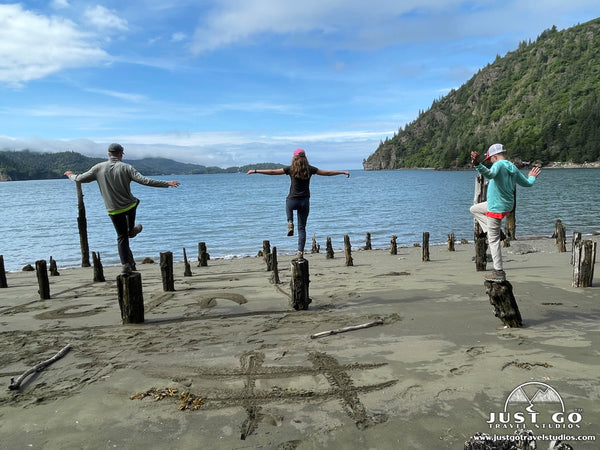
pixel 135 231
pixel 290 228
pixel 495 275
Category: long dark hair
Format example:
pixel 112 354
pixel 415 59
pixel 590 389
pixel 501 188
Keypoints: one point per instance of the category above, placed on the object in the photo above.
pixel 300 168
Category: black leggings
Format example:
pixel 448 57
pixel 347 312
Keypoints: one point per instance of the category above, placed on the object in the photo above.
pixel 124 223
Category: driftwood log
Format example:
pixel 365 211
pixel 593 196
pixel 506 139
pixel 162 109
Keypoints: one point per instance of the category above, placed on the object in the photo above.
pixel 560 236
pixel 82 227
pixel 275 270
pixel 584 258
pixel 203 255
pixel 345 329
pixel 425 250
pixel 368 242
pixel 187 272
pixel 504 303
pixel 42 277
pixel 3 283
pixel 299 284
pixel 16 384
pixel 329 249
pixel 348 251
pixel 451 239
pixel 315 247
pixel 394 245
pixel 166 271
pixel 98 269
pixel 131 297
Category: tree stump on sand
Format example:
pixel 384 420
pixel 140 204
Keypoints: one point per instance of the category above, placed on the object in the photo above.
pixel 53 268
pixel 299 284
pixel 394 246
pixel 275 275
pixel 368 242
pixel 203 255
pixel 82 227
pixel 348 251
pixel 425 250
pixel 98 269
pixel 584 258
pixel 329 250
pixel 166 270
pixel 451 239
pixel 315 247
pixel 504 303
pixel 266 250
pixel 131 297
pixel 42 277
pixel 187 272
pixel 480 253
pixel 560 236
pixel 269 261
pixel 3 283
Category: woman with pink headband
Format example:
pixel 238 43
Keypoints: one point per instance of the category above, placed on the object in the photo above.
pixel 298 198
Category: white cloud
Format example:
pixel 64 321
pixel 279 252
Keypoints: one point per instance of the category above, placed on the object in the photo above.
pixel 104 19
pixel 33 46
pixel 60 4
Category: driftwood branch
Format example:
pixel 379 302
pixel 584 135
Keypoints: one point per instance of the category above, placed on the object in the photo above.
pixel 350 328
pixel 15 384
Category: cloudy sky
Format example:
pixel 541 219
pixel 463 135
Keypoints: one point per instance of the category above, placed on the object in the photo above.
pixel 232 82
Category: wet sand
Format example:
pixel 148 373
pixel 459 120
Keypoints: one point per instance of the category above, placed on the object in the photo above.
pixel 225 362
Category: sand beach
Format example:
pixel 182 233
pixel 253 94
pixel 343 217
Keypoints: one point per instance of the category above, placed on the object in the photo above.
pixel 224 362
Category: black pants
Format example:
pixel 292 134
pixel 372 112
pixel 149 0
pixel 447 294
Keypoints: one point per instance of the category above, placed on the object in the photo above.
pixel 124 223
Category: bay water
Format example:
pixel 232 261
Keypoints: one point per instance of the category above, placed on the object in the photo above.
pixel 234 213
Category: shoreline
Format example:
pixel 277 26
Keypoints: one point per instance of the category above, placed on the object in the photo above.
pixel 428 377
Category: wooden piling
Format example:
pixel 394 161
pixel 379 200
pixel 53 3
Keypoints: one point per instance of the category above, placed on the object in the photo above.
pixel 187 272
pixel 584 258
pixel 42 277
pixel 131 297
pixel 560 236
pixel 425 250
pixel 98 269
pixel 480 196
pixel 348 251
pixel 451 239
pixel 574 243
pixel 203 255
pixel 53 268
pixel 504 303
pixel 394 246
pixel 368 242
pixel 82 227
pixel 480 253
pixel 275 275
pixel 510 224
pixel 329 250
pixel 299 284
pixel 315 247
pixel 166 271
pixel 3 283
pixel 266 250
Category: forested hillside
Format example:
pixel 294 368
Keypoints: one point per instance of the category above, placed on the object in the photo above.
pixel 542 101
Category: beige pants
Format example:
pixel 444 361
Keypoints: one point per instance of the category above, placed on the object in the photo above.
pixel 492 227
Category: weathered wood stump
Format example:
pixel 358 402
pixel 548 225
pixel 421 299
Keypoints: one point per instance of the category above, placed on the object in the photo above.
pixel 166 271
pixel 299 284
pixel 348 251
pixel 368 242
pixel 584 258
pixel 131 297
pixel 42 276
pixel 481 185
pixel 315 247
pixel 275 275
pixel 266 250
pixel 504 303
pixel 425 250
pixel 269 261
pixel 560 236
pixel 53 268
pixel 574 243
pixel 451 239
pixel 98 269
pixel 203 255
pixel 329 249
pixel 3 283
pixel 510 225
pixel 480 253
pixel 187 272
pixel 82 227
pixel 394 245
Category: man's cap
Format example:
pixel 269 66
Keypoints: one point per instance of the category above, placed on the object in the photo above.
pixel 115 148
pixel 299 151
pixel 494 150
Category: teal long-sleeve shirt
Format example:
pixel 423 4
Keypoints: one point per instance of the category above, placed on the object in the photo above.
pixel 503 176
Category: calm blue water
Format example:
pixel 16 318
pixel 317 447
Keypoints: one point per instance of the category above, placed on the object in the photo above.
pixel 234 213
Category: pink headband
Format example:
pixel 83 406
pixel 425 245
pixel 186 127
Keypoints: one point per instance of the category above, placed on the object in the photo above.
pixel 298 151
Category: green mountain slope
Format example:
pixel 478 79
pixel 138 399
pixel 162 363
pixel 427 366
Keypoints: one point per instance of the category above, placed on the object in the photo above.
pixel 542 101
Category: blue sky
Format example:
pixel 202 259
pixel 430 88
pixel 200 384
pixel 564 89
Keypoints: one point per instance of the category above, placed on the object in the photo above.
pixel 234 82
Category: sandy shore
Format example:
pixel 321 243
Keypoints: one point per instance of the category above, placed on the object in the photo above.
pixel 427 378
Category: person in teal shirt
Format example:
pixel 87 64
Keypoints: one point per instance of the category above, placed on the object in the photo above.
pixel 503 176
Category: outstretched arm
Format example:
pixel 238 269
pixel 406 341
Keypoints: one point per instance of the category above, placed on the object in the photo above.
pixel 266 171
pixel 329 173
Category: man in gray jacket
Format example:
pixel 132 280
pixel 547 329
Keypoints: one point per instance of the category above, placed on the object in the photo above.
pixel 114 178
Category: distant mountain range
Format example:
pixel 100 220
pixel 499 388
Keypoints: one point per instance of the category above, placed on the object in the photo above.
pixel 542 101
pixel 29 165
